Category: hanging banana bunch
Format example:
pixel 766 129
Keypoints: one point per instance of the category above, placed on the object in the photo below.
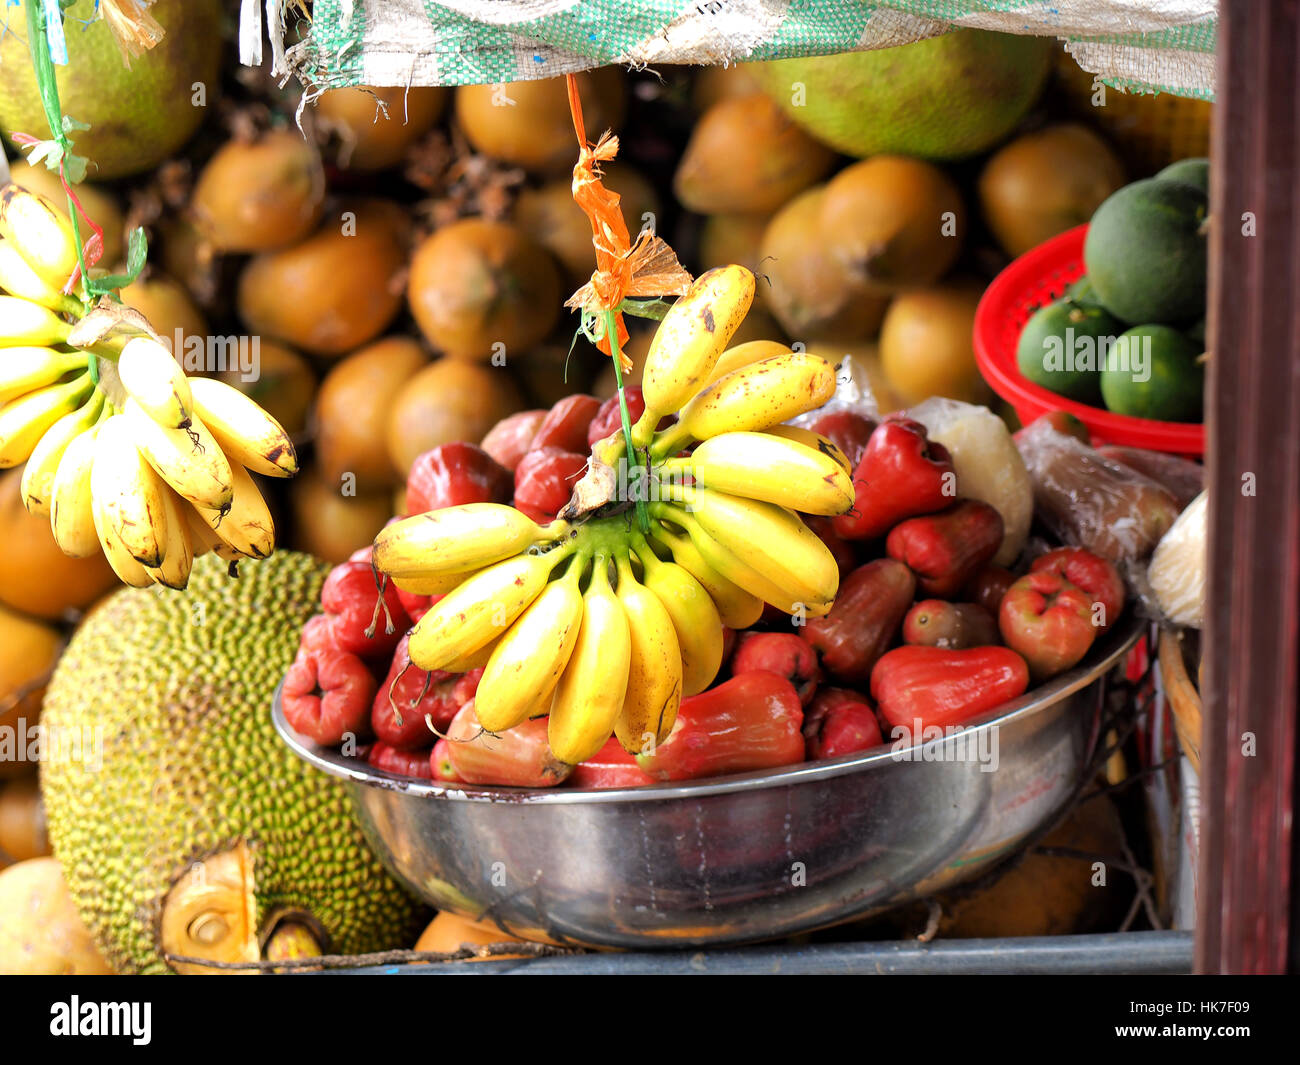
pixel 124 453
pixel 599 624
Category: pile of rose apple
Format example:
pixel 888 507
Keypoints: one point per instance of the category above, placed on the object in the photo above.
pixel 926 630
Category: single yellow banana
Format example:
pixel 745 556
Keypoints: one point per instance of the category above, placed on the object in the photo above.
pixel 743 355
pixel 770 468
pixel 530 656
pixel 246 433
pixel 750 399
pixel 771 539
pixel 457 539
pixel 654 676
pixel 25 420
pixel 190 460
pixel 695 617
pixel 155 380
pixel 816 441
pixel 592 688
pixel 480 609
pixel 720 558
pixel 23 322
pixel 25 369
pixel 476 659
pixel 737 607
pixel 128 570
pixel 129 494
pixel 246 524
pixel 38 475
pixel 178 555
pixel 72 519
pixel 18 279
pixel 36 229
pixel 688 342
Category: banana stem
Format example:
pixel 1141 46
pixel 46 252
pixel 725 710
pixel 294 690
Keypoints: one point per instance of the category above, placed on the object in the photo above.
pixel 611 331
pixel 669 442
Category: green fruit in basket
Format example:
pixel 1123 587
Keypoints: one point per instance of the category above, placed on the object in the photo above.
pixel 183 823
pixel 1191 171
pixel 943 98
pixel 1152 371
pixel 137 116
pixel 1063 348
pixel 1146 252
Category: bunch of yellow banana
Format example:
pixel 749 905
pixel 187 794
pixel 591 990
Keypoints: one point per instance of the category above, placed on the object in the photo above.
pixel 600 625
pixel 124 453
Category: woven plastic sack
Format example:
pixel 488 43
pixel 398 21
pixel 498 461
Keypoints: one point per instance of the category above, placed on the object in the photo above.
pixel 1143 45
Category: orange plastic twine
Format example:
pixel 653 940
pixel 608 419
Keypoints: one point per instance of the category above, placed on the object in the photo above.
pixel 647 269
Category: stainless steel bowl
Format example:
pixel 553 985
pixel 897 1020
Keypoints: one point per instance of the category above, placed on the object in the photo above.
pixel 740 858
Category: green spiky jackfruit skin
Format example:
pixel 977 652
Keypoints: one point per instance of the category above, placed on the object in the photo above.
pixel 181 684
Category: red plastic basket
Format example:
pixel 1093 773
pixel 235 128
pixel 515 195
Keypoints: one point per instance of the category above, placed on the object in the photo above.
pixel 1036 278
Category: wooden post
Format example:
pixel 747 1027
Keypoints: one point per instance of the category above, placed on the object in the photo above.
pixel 1248 918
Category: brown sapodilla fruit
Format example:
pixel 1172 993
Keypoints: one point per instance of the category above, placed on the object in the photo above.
pixel 481 290
pixel 335 290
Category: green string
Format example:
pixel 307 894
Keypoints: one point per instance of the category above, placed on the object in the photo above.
pixel 47 82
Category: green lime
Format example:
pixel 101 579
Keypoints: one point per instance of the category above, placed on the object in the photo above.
pixel 1083 292
pixel 1063 348
pixel 1146 252
pixel 1152 371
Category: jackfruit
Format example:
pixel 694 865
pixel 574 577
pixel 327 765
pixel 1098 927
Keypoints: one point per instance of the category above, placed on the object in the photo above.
pixel 183 824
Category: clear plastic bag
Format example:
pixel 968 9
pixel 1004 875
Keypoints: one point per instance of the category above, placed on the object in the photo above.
pixel 987 464
pixel 1089 501
pixel 1177 571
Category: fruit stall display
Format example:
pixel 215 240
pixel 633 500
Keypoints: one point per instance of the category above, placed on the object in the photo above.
pixel 627 433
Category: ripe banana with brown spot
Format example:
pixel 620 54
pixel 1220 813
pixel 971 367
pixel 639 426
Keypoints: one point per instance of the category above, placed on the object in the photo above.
pixel 750 399
pixel 72 517
pixel 695 617
pixel 590 694
pixel 23 421
pixel 19 279
pixel 770 468
pixel 816 441
pixel 128 494
pixel 128 570
pixel 39 472
pixel 36 229
pixel 458 539
pixel 530 656
pixel 480 609
pixel 190 459
pixel 654 677
pixel 246 524
pixel 246 433
pixel 154 379
pixel 688 342
pixel 178 553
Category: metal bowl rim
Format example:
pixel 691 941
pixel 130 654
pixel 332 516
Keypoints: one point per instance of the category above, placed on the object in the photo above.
pixel 1123 637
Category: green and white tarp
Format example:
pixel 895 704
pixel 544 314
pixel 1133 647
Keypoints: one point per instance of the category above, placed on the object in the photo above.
pixel 1134 45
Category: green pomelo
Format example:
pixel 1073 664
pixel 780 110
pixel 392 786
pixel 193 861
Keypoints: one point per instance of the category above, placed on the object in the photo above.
pixel 943 98
pixel 137 116
pixel 1146 252
pixel 177 689
pixel 1152 372
pixel 1063 348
